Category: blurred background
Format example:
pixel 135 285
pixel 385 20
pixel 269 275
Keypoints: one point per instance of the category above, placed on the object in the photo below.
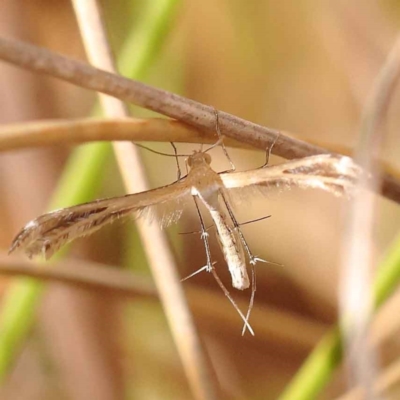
pixel 302 67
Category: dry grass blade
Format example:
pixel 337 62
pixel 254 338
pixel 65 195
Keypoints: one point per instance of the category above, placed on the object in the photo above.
pixel 386 384
pixel 84 130
pixel 158 252
pixel 358 242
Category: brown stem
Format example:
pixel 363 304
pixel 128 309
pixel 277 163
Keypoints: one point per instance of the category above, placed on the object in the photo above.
pixel 196 114
pixel 75 131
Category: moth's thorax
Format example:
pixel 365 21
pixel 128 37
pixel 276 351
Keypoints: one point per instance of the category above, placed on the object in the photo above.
pixel 205 182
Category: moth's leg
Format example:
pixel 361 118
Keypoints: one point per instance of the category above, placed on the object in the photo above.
pixel 268 152
pixel 228 295
pixel 197 232
pixel 253 294
pixel 254 220
pixel 179 174
pixel 221 141
pixel 205 268
pixel 210 268
pixel 204 236
pixel 253 260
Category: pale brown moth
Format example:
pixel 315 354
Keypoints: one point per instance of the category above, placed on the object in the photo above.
pixel 332 173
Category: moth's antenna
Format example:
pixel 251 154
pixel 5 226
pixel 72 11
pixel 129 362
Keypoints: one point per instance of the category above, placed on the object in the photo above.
pixel 217 143
pixel 160 152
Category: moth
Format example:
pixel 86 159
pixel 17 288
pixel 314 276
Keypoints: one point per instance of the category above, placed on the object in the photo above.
pixel 215 191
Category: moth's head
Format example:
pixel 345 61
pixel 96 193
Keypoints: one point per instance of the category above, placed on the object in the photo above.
pixel 198 158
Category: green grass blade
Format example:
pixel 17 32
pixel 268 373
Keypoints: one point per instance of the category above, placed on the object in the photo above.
pixel 80 181
pixel 388 275
pixel 317 370
pixel 143 44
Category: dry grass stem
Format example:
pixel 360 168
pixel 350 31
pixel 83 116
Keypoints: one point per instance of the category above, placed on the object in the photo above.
pixel 200 376
pixel 43 133
pixel 84 130
pixel 271 323
pixel 358 242
pixel 193 113
pixel 388 381
pixel 83 274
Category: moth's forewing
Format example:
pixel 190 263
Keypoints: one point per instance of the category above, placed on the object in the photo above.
pixel 331 173
pixel 47 233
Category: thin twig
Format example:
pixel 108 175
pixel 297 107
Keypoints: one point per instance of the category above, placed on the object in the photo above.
pixel 161 260
pixel 84 130
pixel 58 132
pixel 271 323
pixel 193 113
pixel 80 273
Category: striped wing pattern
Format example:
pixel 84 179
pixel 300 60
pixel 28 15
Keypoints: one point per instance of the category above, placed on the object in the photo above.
pixel 47 233
pixel 332 173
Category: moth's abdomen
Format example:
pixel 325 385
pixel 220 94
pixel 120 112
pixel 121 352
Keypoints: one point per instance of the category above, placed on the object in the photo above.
pixel 232 249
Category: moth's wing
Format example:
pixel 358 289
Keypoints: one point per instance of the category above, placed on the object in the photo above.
pixel 47 233
pixel 332 173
